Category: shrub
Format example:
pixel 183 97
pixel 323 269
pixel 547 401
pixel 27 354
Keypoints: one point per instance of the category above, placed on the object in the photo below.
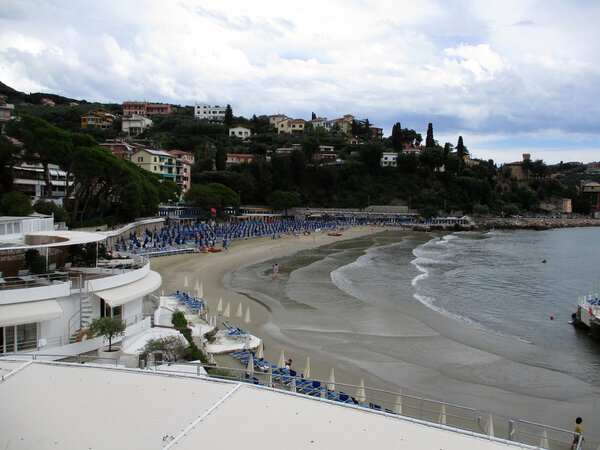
pixel 109 327
pixel 171 347
pixel 178 320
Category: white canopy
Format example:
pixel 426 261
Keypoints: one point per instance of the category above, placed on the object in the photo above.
pixel 29 312
pixel 123 294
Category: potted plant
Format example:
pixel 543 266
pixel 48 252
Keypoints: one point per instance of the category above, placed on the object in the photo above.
pixel 109 328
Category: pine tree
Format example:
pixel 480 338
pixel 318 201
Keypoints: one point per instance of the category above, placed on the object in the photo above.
pixel 461 152
pixel 429 141
pixel 228 115
pixel 314 116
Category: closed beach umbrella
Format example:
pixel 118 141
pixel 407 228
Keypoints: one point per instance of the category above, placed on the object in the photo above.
pixel 544 441
pixel 220 305
pixel 247 318
pixel 293 385
pixel 331 383
pixel 307 368
pixel 361 396
pixel 250 365
pixel 227 310
pixel 281 362
pixel 200 291
pixel 247 342
pixel 443 414
pixel 398 404
pixel 261 350
pixel 197 285
pixel 185 282
pixel 239 312
pixel 211 358
pixel 489 426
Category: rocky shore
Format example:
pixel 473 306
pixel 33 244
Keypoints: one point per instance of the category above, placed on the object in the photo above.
pixel 531 223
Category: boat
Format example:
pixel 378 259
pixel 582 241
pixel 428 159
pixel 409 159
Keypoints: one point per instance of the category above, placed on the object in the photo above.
pixel 334 234
pixel 587 316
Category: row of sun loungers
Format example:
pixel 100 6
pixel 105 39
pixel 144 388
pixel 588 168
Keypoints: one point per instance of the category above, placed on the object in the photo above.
pixel 192 303
pixel 287 377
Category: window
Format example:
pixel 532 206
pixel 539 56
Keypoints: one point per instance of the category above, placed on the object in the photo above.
pixel 16 338
pixel 140 159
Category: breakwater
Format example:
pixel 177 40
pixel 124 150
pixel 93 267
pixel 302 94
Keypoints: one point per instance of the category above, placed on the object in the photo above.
pixel 531 223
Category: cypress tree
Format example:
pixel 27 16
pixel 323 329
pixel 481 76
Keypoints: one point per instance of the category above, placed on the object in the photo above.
pixel 429 141
pixel 228 115
pixel 396 140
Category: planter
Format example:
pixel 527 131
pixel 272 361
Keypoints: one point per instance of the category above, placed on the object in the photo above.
pixel 116 353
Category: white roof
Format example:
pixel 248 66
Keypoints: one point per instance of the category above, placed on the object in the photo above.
pixel 123 294
pixel 29 312
pixel 82 406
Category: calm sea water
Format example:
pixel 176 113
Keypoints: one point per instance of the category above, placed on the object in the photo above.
pixel 493 281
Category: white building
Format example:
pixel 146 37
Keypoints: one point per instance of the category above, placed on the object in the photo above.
pixel 40 312
pixel 135 124
pixel 30 180
pixel 204 111
pixel 241 132
pixel 388 159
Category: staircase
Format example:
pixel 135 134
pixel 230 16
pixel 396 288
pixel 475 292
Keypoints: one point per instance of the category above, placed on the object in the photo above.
pixel 86 318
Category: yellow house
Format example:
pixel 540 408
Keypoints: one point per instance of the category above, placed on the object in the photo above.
pixel 156 161
pixel 292 126
pixel 99 118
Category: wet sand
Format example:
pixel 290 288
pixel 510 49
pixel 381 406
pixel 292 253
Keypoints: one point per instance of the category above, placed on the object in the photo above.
pixel 440 359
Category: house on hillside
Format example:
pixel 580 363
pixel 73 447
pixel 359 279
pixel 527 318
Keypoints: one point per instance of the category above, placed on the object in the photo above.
pixel 291 126
pixel 97 119
pixel 323 123
pixel 344 123
pixel 326 155
pixel 376 132
pixel 276 118
pixel 517 169
pixel 30 179
pixel 156 161
pixel 47 102
pixel 183 168
pixel 120 149
pixel 145 109
pixel 204 111
pixel 240 132
pixel 238 158
pixel 389 159
pixel 134 124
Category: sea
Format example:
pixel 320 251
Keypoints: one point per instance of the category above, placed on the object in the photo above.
pixel 451 310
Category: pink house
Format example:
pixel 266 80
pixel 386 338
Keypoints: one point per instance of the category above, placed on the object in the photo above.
pixel 183 168
pixel 238 158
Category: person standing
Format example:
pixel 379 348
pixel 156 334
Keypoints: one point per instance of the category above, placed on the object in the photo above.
pixel 578 432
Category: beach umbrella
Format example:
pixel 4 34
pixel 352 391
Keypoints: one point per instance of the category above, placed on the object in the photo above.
pixel 239 312
pixel 227 310
pixel 489 426
pixel 250 365
pixel 361 396
pixel 247 342
pixel 197 285
pixel 544 441
pixel 211 358
pixel 398 404
pixel 200 291
pixel 247 317
pixel 261 350
pixel 269 381
pixel 220 305
pixel 307 368
pixel 281 360
pixel 442 419
pixel 293 385
pixel 331 383
pixel 185 282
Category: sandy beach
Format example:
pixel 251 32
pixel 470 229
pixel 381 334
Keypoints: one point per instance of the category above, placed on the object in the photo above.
pixel 438 360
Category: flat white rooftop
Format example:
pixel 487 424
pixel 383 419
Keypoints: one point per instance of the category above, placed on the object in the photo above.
pixel 49 405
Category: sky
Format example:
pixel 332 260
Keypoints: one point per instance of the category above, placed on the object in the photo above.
pixel 509 76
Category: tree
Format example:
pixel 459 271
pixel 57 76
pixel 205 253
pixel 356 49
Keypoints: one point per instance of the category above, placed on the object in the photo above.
pixel 44 143
pixel 172 348
pixel 15 203
pixel 313 116
pixel 221 159
pixel 429 141
pixel 283 200
pixel 461 154
pixel 228 116
pixel 108 327
pixel 178 320
pixel 396 139
pixel 8 151
pixel 50 208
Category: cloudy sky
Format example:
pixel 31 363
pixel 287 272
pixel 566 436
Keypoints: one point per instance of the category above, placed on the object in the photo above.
pixel 509 76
